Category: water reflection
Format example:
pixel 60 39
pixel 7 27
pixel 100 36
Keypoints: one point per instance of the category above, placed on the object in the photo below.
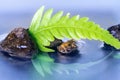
pixel 13 69
pixel 107 49
pixel 62 64
pixel 65 58
pixel 56 65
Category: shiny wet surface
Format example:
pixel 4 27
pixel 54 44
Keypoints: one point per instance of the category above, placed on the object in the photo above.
pixel 109 69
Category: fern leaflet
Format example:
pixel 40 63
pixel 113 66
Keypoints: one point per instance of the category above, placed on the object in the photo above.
pixel 45 28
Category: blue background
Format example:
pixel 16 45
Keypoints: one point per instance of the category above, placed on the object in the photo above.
pixel 22 11
pixel 18 13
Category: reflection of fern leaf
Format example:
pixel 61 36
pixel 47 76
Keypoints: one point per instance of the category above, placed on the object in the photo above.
pixel 38 67
pixel 42 64
pixel 45 28
pixel 45 65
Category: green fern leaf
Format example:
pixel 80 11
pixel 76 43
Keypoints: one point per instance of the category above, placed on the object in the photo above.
pixel 44 28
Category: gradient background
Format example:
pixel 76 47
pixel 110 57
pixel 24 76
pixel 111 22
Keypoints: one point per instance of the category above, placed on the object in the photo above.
pixel 17 13
pixel 20 12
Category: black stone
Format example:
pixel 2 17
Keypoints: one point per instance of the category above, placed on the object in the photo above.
pixel 55 43
pixel 115 31
pixel 19 44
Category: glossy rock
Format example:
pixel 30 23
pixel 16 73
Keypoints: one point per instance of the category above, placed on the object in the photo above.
pixel 115 31
pixel 18 43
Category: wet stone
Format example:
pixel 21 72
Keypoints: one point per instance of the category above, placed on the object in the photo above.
pixel 63 47
pixel 55 43
pixel 115 31
pixel 18 43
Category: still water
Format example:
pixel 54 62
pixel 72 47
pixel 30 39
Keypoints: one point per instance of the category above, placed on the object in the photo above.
pixel 91 59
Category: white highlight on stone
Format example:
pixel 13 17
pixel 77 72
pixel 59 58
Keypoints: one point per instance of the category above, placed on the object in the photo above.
pixel 2 36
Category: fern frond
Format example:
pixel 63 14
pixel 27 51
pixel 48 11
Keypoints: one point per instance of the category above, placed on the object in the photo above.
pixel 46 27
